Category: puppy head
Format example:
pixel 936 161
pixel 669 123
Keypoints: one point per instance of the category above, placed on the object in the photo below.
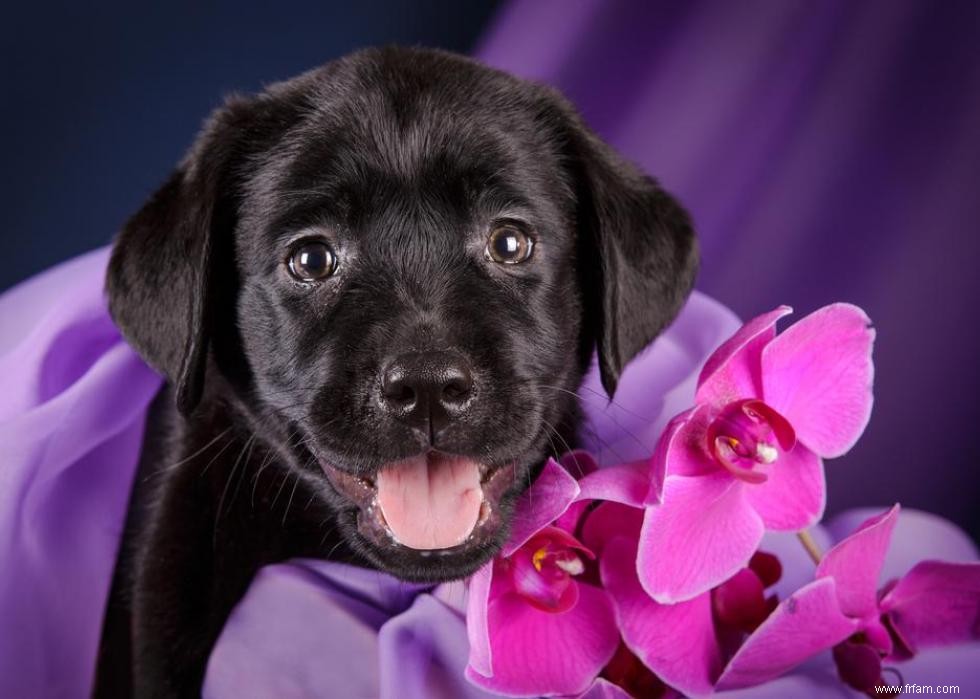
pixel 401 264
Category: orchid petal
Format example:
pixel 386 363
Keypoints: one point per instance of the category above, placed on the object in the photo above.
pixel 734 370
pixel 740 601
pixel 794 495
pixel 808 622
pixel 625 483
pixel 917 536
pixel 628 672
pixel 702 534
pixel 859 665
pixel 537 652
pixel 936 603
pixel 855 564
pixel 570 518
pixel 681 450
pixel 603 689
pixel 676 641
pixel 541 504
pixel 818 373
pixel 608 521
pixel 767 567
pixel 477 630
pixel 579 463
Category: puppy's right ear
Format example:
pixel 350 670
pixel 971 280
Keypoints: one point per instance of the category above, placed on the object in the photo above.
pixel 163 268
pixel 638 252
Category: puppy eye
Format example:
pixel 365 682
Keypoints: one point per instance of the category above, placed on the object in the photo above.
pixel 509 245
pixel 312 261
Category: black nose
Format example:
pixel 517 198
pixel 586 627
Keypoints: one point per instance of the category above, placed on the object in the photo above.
pixel 427 389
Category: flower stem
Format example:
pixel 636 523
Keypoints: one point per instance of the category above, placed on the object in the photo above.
pixel 810 545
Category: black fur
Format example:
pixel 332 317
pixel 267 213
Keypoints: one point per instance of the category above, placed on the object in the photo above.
pixel 401 159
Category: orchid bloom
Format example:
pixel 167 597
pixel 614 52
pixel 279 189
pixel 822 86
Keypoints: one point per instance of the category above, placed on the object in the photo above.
pixel 536 626
pixel 683 644
pixel 747 456
pixel 935 603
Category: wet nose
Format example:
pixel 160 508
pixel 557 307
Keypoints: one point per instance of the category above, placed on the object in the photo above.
pixel 426 390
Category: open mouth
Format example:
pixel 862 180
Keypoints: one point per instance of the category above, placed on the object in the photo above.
pixel 433 503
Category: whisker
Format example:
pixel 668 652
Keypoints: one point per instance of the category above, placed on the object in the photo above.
pixel 215 457
pixel 627 431
pixel 554 429
pixel 248 457
pixel 266 461
pixel 282 484
pixel 224 492
pixel 196 453
pixel 289 503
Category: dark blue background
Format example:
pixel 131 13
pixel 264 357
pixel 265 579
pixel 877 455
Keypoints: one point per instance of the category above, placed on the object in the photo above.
pixel 99 101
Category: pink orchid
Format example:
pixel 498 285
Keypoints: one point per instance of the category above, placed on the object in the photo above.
pixel 934 604
pixel 685 644
pixel 536 623
pixel 747 456
pixel 626 676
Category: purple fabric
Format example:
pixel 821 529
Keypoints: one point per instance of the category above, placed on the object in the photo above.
pixel 318 629
pixel 72 409
pixel 828 151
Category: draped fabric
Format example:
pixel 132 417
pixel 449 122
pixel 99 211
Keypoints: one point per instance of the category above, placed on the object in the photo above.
pixel 827 151
pixel 72 409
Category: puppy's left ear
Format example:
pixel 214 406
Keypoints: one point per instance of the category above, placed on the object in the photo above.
pixel 637 248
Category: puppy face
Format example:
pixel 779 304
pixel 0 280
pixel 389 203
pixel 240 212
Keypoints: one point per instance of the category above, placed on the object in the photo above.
pixel 402 263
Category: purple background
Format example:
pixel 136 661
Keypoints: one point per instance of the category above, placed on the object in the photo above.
pixel 828 151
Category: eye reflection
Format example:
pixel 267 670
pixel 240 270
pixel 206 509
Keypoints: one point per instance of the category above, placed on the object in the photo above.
pixel 312 261
pixel 509 245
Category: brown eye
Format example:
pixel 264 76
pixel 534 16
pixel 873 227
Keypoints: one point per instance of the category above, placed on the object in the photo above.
pixel 509 245
pixel 312 261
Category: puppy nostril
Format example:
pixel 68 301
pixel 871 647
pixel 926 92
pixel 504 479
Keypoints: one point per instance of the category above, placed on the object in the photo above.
pixel 403 396
pixel 457 387
pixel 398 392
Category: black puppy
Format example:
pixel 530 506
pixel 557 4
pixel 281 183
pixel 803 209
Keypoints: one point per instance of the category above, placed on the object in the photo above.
pixel 374 290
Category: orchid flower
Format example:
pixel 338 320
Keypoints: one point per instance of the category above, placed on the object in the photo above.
pixel 935 603
pixel 747 456
pixel 683 644
pixel 536 624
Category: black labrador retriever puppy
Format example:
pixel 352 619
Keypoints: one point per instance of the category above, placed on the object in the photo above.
pixel 374 290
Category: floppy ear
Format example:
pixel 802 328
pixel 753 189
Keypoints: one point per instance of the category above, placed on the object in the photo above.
pixel 644 243
pixel 163 273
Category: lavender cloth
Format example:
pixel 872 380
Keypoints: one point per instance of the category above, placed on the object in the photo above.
pixel 72 409
pixel 71 421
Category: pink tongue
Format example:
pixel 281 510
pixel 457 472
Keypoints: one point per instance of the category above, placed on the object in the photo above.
pixel 430 502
